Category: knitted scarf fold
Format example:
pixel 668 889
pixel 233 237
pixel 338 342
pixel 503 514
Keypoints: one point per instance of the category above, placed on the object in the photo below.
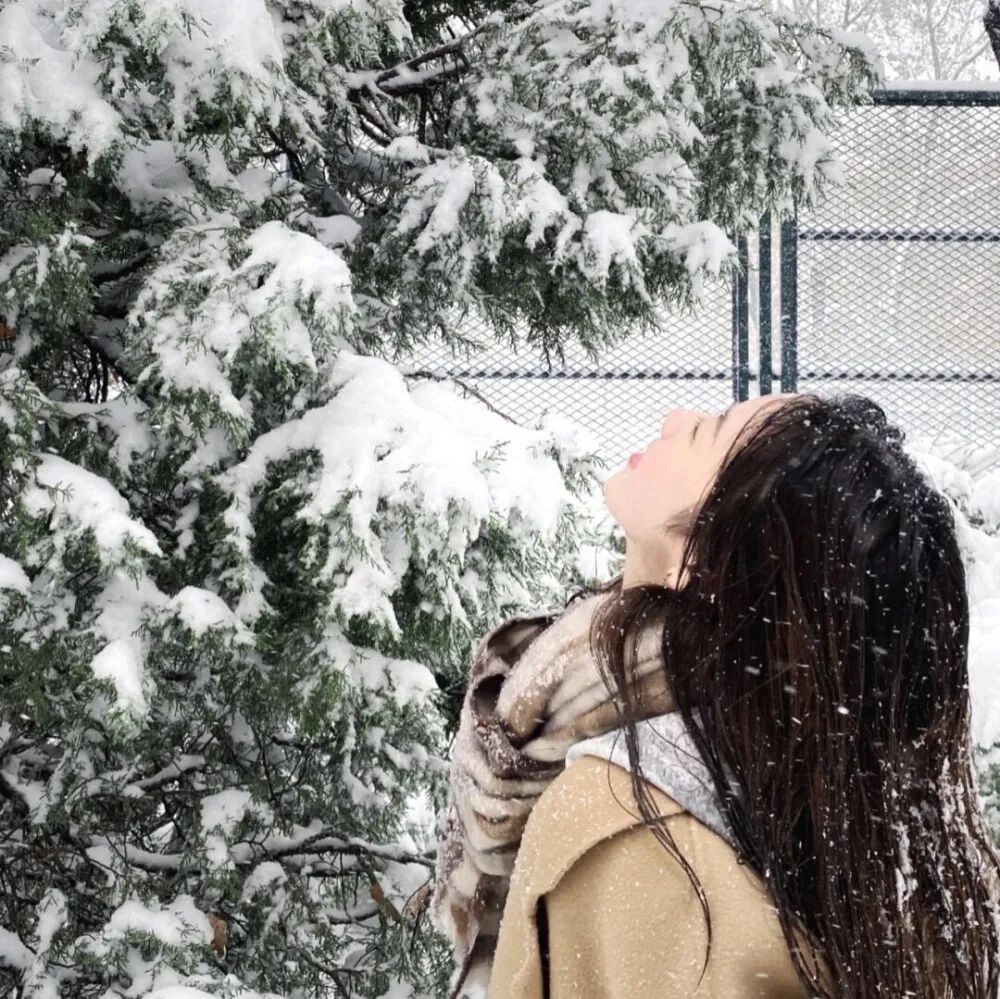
pixel 534 690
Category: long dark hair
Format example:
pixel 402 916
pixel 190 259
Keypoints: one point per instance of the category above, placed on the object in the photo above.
pixel 817 652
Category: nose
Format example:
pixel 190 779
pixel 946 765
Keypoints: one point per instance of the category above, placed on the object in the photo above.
pixel 678 419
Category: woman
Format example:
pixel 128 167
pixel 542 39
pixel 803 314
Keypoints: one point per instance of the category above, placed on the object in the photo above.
pixel 804 593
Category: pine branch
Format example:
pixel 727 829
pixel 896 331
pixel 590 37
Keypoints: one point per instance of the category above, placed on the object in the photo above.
pixel 136 856
pixel 325 841
pixel 13 793
pixel 189 764
pixel 247 854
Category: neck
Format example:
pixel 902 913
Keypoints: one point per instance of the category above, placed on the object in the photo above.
pixel 645 564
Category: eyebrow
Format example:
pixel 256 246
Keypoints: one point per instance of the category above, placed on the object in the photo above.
pixel 718 425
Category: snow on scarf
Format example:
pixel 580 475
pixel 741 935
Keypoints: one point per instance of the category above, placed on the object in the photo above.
pixel 534 690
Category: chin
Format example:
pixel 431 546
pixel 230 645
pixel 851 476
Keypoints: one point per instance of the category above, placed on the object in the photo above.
pixel 610 490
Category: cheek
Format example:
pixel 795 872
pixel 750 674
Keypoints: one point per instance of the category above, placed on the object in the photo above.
pixel 640 497
pixel 630 500
pixel 671 482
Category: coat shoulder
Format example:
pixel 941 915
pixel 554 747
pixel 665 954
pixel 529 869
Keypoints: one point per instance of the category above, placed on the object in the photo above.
pixel 627 920
pixel 599 908
pixel 589 802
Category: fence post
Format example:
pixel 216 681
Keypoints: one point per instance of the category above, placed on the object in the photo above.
pixel 789 304
pixel 741 330
pixel 764 302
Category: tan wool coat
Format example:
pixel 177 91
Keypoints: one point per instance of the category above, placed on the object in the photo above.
pixel 597 908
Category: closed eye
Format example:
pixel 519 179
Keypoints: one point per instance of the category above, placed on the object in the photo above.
pixel 694 429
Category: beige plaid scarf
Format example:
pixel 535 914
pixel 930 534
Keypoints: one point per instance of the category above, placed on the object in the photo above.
pixel 534 690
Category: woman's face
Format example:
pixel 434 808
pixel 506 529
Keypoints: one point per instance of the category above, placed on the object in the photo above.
pixel 677 469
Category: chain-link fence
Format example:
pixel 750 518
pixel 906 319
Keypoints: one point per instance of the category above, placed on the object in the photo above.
pixel 890 289
pixel 624 398
pixel 895 278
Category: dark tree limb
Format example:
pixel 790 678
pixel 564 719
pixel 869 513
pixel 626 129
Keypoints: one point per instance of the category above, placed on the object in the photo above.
pixel 116 270
pixel 104 350
pixel 991 21
pixel 295 165
pixel 416 76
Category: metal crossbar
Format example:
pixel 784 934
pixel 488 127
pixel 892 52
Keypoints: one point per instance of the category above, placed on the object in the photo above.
pixel 903 235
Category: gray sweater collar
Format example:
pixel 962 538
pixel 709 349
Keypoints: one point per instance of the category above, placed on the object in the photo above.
pixel 669 760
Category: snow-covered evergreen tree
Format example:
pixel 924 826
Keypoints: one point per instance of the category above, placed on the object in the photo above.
pixel 244 558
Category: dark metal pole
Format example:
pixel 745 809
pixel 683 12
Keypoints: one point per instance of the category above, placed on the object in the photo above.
pixel 936 98
pixel 789 304
pixel 741 331
pixel 764 300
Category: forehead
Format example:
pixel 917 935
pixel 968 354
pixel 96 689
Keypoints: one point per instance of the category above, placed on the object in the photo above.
pixel 742 411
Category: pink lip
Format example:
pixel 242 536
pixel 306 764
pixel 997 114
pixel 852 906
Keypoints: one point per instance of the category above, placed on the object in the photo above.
pixel 634 459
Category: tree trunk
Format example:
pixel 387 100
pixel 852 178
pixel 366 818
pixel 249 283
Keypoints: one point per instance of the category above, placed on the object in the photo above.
pixel 991 21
